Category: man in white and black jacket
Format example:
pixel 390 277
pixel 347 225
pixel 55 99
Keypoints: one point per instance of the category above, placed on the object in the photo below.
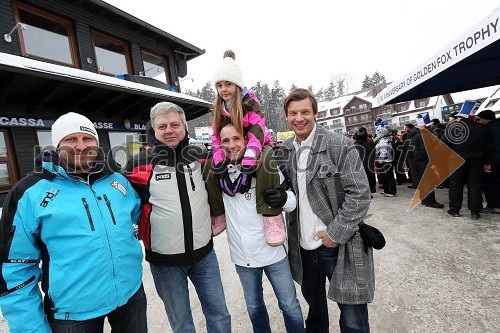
pixel 175 223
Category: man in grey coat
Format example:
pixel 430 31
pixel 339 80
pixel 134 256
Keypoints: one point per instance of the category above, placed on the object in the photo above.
pixel 333 197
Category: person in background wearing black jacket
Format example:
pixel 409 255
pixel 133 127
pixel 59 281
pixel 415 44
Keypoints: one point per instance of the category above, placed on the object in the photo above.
pixel 397 145
pixel 491 180
pixel 471 140
pixel 422 161
pixel 365 149
pixel 409 132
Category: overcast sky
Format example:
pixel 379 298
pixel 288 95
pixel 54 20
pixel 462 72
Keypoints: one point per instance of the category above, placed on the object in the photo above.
pixel 309 42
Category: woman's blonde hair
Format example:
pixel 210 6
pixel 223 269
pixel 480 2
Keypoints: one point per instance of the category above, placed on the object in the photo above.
pixel 236 113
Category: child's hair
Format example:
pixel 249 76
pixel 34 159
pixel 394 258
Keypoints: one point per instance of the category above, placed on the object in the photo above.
pixel 236 113
pixel 228 70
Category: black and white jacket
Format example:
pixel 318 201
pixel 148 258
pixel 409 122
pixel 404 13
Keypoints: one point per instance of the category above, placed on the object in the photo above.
pixel 175 218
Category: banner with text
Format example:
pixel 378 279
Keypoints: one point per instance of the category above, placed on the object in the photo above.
pixel 482 35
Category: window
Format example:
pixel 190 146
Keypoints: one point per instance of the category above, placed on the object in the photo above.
pixel 491 103
pixel 46 37
pixel 336 122
pixel 155 66
pixel 403 119
pixel 386 111
pixel 8 167
pixel 111 54
pixel 365 117
pixel 124 145
pixel 44 139
pixel 363 107
pixel 334 111
pixel 421 104
pixel 402 108
pixel 322 114
pixel 339 130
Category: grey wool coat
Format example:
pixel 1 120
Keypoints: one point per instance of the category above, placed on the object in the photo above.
pixel 339 194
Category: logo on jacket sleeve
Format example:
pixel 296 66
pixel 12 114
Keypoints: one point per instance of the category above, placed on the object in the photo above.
pixel 49 196
pixel 163 176
pixel 119 187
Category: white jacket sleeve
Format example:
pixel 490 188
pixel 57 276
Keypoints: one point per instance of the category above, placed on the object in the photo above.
pixel 291 202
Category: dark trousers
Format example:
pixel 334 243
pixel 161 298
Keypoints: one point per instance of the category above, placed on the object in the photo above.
pixel 388 178
pixel 491 186
pixel 431 197
pixel 415 175
pixel 317 266
pixel 470 173
pixel 128 318
pixel 399 170
pixel 378 173
pixel 371 179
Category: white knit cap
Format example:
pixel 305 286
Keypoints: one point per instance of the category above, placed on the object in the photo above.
pixel 228 70
pixel 70 123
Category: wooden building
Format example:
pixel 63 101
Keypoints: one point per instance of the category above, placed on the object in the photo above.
pixel 85 56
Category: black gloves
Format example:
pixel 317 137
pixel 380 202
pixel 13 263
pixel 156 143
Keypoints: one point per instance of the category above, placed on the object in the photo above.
pixel 275 198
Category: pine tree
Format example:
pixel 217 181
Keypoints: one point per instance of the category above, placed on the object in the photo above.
pixel 320 95
pixel 370 82
pixel 274 113
pixel 330 92
pixel 263 94
pixel 367 82
pixel 206 93
pixel 377 78
pixel 340 87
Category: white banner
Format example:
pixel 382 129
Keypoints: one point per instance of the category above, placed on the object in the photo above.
pixel 482 35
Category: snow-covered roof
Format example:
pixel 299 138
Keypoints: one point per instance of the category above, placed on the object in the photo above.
pixel 21 64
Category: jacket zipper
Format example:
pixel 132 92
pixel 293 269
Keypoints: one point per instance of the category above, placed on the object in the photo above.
pixel 86 205
pixel 191 177
pixel 105 233
pixel 9 241
pixel 108 203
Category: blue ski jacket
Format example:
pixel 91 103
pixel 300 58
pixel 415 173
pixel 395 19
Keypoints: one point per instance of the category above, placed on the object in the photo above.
pixel 82 231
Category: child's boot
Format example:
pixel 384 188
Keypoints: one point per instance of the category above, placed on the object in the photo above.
pixel 274 229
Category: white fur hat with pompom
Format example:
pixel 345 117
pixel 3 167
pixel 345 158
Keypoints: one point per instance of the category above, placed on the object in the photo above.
pixel 228 70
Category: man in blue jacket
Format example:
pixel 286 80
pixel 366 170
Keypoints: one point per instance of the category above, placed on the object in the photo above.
pixel 77 216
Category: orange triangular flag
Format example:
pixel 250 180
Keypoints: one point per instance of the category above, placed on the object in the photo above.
pixel 442 163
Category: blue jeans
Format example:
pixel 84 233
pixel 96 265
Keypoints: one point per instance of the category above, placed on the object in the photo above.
pixel 128 318
pixel 317 265
pixel 172 286
pixel 281 280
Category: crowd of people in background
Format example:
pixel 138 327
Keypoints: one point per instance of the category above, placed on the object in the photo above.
pixel 398 159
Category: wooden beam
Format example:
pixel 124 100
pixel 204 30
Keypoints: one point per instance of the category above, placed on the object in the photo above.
pixel 8 87
pixel 87 94
pixel 45 95
pixel 111 101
